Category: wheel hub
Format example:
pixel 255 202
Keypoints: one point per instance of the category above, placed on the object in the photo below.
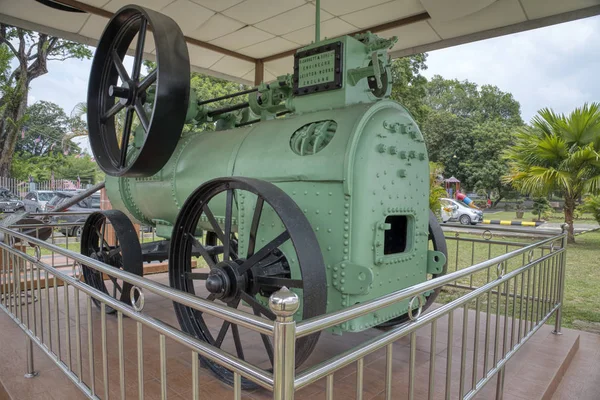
pixel 225 282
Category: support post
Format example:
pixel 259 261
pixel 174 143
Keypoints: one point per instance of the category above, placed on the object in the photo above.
pixel 561 283
pixel 500 384
pixel 259 72
pixel 31 373
pixel 284 303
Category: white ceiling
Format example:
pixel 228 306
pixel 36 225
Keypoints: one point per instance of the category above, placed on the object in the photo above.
pixel 262 28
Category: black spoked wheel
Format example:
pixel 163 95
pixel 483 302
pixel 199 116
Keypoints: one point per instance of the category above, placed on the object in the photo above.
pixel 438 242
pixel 134 120
pixel 109 237
pixel 267 244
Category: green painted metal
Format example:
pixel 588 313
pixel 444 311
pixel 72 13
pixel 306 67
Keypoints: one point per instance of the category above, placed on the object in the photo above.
pixel 354 161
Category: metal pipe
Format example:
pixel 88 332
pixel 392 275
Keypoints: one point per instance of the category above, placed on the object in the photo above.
pixel 312 325
pixel 240 318
pixel 500 384
pixel 360 364
pixel 30 372
pixel 318 21
pixel 227 109
pixel 77 198
pixel 284 303
pixel 227 96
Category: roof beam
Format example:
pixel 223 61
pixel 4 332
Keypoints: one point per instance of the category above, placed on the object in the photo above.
pixel 377 28
pixel 107 14
pixel 502 31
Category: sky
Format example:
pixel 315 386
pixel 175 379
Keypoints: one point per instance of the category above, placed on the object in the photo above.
pixel 556 67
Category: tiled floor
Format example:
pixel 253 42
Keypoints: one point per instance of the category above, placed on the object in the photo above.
pixel 528 374
pixel 582 380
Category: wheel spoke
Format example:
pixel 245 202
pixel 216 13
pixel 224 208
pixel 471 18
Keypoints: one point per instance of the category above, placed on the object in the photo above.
pixel 265 339
pixel 228 217
pixel 141 113
pixel 222 333
pixel 118 106
pixel 116 284
pixel 120 67
pixel 213 222
pixel 217 229
pixel 139 51
pixel 125 138
pixel 256 306
pixel 265 251
pixel 202 325
pixel 196 275
pixel 238 343
pixel 280 282
pixel 202 250
pixel 113 252
pixel 147 81
pixel 254 227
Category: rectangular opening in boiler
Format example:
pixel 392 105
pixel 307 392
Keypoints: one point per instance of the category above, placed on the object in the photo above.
pixel 396 238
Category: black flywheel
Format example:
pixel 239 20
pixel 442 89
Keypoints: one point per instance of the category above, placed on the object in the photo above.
pixel 267 244
pixel 438 242
pixel 110 237
pixel 135 120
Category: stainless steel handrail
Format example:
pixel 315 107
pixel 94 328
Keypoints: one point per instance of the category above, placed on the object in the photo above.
pixel 240 318
pixel 319 371
pixel 319 323
pixel 242 367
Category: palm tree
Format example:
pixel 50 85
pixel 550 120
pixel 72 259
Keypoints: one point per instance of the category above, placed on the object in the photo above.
pixel 558 152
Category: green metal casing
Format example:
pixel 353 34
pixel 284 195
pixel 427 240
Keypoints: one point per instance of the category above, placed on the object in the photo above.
pixel 374 167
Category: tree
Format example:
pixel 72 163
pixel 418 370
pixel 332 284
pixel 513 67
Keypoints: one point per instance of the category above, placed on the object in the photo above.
pixel 31 51
pixel 409 86
pixel 558 152
pixel 436 190
pixel 465 99
pixel 63 167
pixel 45 130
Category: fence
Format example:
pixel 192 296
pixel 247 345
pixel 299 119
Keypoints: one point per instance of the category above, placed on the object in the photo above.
pixel 21 188
pixel 491 308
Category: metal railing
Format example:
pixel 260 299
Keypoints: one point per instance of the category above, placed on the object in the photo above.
pixel 494 306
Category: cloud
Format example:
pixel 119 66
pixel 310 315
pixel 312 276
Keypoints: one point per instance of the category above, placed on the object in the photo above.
pixel 552 67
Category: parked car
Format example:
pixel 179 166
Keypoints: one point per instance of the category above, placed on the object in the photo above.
pixel 9 202
pixel 453 211
pixel 89 204
pixel 36 200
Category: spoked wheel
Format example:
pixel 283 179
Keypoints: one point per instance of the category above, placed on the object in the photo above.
pixel 436 238
pixel 109 237
pixel 118 99
pixel 267 243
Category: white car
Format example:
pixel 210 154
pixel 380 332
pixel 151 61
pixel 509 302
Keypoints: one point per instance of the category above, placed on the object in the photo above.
pixel 35 201
pixel 453 211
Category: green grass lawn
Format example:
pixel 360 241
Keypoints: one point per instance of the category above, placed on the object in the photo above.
pixel 582 284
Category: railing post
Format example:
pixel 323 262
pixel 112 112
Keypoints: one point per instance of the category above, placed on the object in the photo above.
pixel 31 373
pixel 561 282
pixel 284 303
pixel 500 384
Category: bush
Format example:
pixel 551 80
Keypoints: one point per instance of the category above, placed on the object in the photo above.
pixel 519 205
pixel 591 204
pixel 541 208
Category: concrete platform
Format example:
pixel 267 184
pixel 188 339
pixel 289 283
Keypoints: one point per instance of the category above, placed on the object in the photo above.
pixel 535 372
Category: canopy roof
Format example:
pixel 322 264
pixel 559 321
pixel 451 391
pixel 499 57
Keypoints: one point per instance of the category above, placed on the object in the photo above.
pixel 251 40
